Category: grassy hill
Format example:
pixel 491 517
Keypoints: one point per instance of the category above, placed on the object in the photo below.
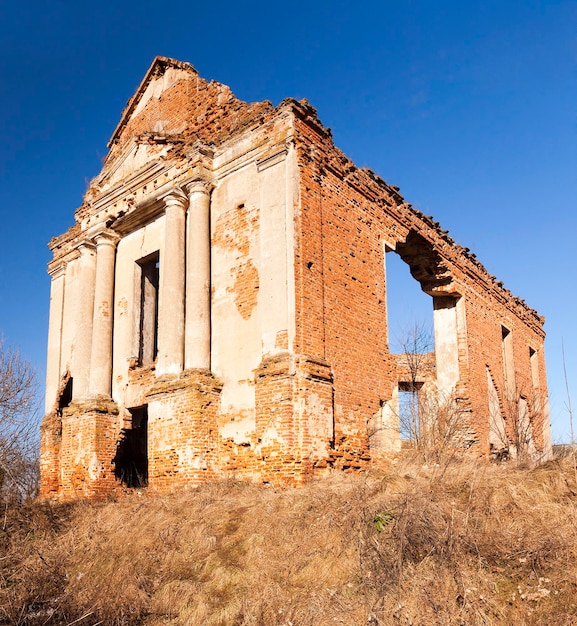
pixel 462 544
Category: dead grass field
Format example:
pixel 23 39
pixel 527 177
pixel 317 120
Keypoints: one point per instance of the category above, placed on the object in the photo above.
pixel 466 544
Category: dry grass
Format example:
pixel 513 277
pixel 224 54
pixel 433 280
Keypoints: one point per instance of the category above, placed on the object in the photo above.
pixel 464 544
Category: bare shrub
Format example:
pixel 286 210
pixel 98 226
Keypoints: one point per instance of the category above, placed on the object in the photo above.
pixel 19 421
pixel 433 420
pixel 512 435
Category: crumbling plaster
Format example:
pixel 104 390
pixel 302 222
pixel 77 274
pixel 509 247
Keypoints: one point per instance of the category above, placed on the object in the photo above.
pixel 273 359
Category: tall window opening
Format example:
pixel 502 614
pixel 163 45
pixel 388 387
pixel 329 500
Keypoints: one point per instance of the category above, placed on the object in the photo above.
pixel 148 317
pixel 131 460
pixel 535 382
pixel 409 414
pixel 498 439
pixel 409 309
pixel 508 365
pixel 534 361
pixel 411 339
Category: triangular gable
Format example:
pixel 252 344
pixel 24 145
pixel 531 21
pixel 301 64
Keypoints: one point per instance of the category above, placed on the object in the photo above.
pixel 132 157
pixel 174 103
pixel 158 68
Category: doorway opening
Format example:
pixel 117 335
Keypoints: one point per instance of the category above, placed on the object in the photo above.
pixel 131 460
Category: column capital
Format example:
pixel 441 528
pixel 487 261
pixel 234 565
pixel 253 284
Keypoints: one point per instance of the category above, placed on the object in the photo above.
pixel 86 245
pixel 199 185
pixel 56 270
pixel 175 198
pixel 105 237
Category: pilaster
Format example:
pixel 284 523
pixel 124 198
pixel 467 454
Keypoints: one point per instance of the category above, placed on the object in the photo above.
pixel 294 417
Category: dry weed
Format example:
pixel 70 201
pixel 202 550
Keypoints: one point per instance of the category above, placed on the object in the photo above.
pixel 461 544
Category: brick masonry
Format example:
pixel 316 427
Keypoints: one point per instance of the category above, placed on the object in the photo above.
pixel 299 375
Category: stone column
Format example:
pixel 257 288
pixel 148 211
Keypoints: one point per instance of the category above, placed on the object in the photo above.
pixel 101 357
pixel 54 335
pixel 171 296
pixel 197 338
pixel 84 313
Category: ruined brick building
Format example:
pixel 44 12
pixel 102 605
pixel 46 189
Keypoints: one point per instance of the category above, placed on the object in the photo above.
pixel 219 307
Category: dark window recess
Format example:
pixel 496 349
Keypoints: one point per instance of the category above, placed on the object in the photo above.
pixel 508 363
pixel 131 460
pixel 148 327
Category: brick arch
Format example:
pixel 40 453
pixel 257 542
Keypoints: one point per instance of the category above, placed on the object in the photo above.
pixel 425 263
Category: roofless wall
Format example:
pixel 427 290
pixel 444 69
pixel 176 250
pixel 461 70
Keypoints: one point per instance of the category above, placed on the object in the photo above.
pixel 219 309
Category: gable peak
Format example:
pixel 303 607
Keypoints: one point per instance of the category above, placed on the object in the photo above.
pixel 158 67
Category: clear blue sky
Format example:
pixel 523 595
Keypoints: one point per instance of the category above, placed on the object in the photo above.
pixel 470 107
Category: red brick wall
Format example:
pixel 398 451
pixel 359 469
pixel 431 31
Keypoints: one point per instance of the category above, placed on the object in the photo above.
pixel 183 430
pixel 484 322
pixel 194 108
pixel 340 291
pixel 345 216
pixel 90 434
pixel 50 449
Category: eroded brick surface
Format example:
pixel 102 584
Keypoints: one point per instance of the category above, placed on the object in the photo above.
pixel 275 363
